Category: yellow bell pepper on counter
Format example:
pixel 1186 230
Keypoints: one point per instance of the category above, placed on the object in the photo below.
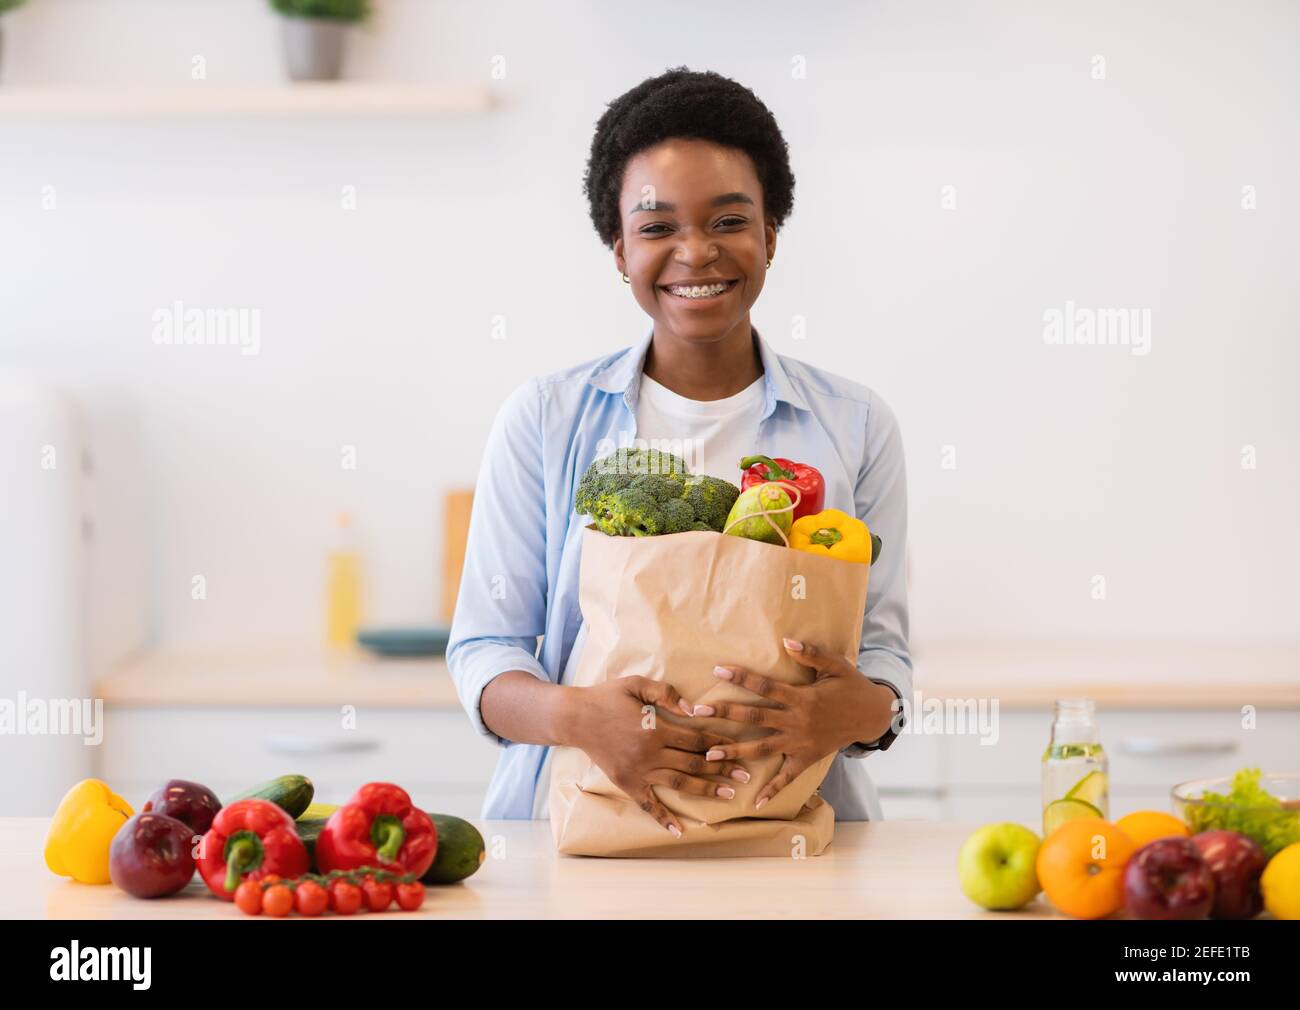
pixel 82 830
pixel 834 533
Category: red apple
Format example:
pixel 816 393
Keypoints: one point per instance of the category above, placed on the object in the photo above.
pixel 1236 863
pixel 151 855
pixel 189 802
pixel 1168 879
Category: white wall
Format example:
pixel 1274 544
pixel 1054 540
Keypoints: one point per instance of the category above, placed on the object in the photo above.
pixel 1071 461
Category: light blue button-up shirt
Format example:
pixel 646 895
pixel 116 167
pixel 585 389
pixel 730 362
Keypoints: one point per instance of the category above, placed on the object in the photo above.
pixel 520 580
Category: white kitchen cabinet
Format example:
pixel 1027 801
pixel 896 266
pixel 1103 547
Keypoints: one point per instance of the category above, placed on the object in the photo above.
pixel 433 753
pixel 1146 751
pixel 986 805
pixel 956 777
pixel 912 805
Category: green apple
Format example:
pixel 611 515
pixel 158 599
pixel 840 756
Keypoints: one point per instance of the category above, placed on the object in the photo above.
pixel 996 866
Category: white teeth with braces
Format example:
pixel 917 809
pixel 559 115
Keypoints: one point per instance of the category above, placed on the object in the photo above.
pixel 708 291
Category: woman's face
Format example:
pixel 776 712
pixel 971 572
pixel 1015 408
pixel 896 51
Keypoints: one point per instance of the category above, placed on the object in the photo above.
pixel 692 213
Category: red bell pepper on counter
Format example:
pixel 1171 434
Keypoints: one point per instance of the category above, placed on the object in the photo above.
pixel 250 840
pixel 380 827
pixel 808 479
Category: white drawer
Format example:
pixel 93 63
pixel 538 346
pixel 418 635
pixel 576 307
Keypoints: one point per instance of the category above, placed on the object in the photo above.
pixel 1163 749
pixel 912 762
pixel 1128 799
pixel 1014 757
pixel 911 808
pixel 1021 805
pixel 1147 749
pixel 428 752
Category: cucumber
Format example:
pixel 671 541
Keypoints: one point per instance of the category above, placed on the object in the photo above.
pixel 309 825
pixel 460 851
pixel 291 793
pixel 309 829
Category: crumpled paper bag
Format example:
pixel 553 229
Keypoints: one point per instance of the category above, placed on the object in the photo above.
pixel 671 608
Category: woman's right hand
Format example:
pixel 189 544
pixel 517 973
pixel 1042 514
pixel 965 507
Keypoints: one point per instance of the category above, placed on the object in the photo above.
pixel 637 750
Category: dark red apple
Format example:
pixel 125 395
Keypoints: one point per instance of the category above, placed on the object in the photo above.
pixel 1168 879
pixel 1236 863
pixel 189 802
pixel 151 855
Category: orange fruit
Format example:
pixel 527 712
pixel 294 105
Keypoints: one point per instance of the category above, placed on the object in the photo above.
pixel 1081 867
pixel 1148 825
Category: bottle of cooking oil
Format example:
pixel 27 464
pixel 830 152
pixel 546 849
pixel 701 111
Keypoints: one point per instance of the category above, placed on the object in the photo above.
pixel 1075 777
pixel 343 587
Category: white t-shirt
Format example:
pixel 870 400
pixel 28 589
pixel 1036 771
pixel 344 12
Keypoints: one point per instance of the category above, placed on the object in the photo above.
pixel 712 436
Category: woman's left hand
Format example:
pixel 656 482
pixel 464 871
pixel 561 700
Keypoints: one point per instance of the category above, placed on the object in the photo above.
pixel 809 721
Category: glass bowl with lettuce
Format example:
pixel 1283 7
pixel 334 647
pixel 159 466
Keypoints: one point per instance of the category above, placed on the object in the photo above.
pixel 1263 807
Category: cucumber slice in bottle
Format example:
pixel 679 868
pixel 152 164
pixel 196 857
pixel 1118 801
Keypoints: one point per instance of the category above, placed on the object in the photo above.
pixel 1058 812
pixel 1091 788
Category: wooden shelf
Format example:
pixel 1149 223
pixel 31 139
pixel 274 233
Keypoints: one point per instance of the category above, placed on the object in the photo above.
pixel 204 100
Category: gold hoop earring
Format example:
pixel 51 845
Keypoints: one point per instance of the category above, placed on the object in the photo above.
pixel 769 264
pixel 626 280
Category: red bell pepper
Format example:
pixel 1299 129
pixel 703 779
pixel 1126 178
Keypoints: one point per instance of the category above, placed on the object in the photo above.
pixel 808 479
pixel 249 840
pixel 380 827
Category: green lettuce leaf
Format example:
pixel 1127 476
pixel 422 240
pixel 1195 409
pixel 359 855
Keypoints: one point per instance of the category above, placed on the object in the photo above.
pixel 1251 810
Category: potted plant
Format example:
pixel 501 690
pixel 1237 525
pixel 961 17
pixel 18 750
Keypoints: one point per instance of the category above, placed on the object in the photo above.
pixel 6 5
pixel 313 35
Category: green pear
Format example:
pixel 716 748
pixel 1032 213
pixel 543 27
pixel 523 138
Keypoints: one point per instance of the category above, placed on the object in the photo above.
pixel 753 525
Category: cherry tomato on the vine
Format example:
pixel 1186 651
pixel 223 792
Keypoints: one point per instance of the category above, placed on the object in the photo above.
pixel 345 898
pixel 410 896
pixel 378 895
pixel 277 901
pixel 310 898
pixel 248 897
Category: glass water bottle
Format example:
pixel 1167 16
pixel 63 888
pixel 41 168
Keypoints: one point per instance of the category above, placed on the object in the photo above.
pixel 1075 778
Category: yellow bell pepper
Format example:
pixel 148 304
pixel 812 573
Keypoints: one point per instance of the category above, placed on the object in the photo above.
pixel 82 830
pixel 834 533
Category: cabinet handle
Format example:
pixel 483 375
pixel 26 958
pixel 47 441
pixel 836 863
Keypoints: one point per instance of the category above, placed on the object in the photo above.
pixel 912 792
pixel 1144 746
pixel 317 745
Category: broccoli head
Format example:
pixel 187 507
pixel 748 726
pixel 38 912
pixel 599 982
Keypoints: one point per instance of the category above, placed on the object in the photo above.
pixel 634 512
pixel 661 487
pixel 645 492
pixel 711 499
pixel 618 470
pixel 678 516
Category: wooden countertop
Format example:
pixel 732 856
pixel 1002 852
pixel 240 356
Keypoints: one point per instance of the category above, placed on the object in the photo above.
pixel 885 869
pixel 1021 675
pixel 278 674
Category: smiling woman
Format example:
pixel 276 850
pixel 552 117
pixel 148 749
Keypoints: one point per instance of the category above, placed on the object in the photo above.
pixel 688 183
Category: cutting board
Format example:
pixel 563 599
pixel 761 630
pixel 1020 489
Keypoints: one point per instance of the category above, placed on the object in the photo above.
pixel 456 506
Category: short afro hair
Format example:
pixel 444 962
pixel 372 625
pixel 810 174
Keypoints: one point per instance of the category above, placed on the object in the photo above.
pixel 688 104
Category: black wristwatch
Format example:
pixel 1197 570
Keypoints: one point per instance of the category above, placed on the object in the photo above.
pixel 890 735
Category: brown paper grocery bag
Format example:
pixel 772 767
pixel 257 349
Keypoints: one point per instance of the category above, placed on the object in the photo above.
pixel 671 608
